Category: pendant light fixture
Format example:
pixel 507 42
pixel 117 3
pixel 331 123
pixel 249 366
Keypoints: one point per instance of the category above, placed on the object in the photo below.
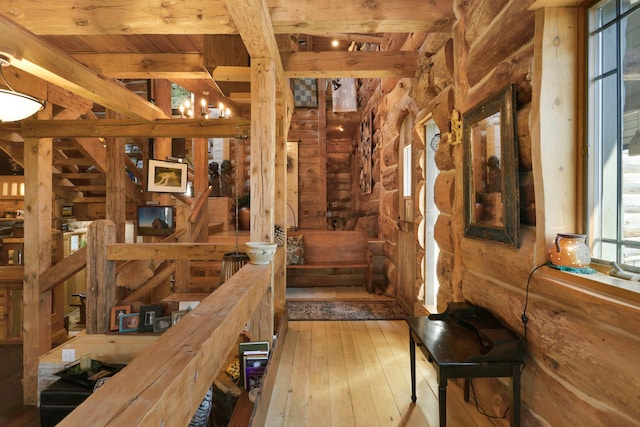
pixel 14 105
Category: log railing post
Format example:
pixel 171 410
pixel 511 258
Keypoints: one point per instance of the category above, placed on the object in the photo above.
pixel 101 276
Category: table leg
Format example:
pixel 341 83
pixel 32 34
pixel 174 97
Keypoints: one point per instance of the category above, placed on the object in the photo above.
pixel 466 389
pixel 515 397
pixel 442 403
pixel 412 354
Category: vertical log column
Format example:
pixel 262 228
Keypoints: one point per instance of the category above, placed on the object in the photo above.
pixel 101 276
pixel 116 176
pixel 200 150
pixel 280 210
pixel 554 114
pixel 36 325
pixel 263 142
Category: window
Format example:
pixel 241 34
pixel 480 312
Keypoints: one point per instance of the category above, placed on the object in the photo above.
pixel 613 187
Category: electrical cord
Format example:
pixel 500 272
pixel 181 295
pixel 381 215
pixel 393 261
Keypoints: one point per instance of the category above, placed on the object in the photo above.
pixel 479 408
pixel 524 317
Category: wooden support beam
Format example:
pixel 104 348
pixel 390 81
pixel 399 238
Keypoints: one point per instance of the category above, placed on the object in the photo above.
pixel 350 64
pixel 188 128
pixel 101 276
pixel 116 185
pixel 170 66
pixel 209 17
pixel 554 114
pixel 37 259
pixel 34 56
pixel 253 22
pixel 162 251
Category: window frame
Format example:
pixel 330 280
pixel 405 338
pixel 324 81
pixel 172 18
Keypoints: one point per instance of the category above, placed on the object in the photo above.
pixel 593 186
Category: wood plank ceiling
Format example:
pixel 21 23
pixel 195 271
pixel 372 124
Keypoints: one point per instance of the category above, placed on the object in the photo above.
pixel 86 46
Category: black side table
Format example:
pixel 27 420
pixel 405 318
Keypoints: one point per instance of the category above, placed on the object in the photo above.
pixel 457 352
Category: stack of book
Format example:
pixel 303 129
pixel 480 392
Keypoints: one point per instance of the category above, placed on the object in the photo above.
pixel 253 357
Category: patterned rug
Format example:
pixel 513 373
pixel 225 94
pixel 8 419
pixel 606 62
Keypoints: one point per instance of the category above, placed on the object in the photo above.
pixel 345 310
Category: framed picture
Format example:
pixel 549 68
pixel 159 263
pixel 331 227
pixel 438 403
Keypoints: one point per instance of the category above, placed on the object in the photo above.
pixel 161 324
pixel 118 311
pixel 176 316
pixel 148 315
pixel 67 211
pixel 155 220
pixel 129 322
pixel 305 92
pixel 167 177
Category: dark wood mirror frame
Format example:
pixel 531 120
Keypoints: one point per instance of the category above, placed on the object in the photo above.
pixel 491 191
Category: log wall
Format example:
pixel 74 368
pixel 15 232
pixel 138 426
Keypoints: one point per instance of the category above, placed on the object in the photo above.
pixel 581 366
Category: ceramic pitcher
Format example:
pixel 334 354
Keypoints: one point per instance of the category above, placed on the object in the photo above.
pixel 570 250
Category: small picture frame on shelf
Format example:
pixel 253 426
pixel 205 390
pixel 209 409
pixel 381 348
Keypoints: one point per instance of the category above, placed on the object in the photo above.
pixel 67 211
pixel 176 316
pixel 118 311
pixel 129 322
pixel 161 324
pixel 148 314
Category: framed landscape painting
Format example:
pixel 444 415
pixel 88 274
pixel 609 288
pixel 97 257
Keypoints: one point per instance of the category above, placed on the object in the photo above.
pixel 167 177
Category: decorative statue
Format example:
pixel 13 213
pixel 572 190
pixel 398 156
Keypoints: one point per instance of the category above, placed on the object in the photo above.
pixel 226 170
pixel 214 180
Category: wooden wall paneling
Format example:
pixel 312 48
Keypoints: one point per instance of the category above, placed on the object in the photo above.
pixel 322 145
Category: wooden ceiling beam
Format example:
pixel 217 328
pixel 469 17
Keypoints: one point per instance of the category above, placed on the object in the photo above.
pixel 189 66
pixel 188 128
pixel 360 17
pixel 350 64
pixel 34 56
pixel 169 66
pixel 126 17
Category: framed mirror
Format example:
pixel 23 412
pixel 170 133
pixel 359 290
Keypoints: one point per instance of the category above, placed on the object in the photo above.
pixel 491 192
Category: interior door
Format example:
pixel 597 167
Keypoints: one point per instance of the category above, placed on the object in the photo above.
pixel 406 220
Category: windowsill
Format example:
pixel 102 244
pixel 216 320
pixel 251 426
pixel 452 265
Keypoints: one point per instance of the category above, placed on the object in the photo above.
pixel 599 284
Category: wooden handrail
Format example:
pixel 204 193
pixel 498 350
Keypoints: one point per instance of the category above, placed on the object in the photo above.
pixel 165 384
pixel 200 203
pixel 58 273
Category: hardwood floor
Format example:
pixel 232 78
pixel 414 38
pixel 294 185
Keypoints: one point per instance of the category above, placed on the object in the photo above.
pixel 12 412
pixel 356 373
pixel 332 374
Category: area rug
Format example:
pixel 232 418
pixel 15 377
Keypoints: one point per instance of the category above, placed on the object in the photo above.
pixel 345 310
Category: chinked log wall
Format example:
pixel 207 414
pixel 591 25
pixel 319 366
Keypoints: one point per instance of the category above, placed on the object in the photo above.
pixel 581 366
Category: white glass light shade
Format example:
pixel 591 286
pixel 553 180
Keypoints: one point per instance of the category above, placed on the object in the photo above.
pixel 16 106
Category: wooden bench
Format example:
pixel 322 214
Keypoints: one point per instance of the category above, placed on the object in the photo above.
pixel 336 249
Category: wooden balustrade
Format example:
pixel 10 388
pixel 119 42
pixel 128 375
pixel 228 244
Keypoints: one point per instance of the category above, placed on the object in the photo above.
pixel 165 385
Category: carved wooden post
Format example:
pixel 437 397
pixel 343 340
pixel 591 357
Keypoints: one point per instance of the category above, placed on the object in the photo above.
pixel 101 276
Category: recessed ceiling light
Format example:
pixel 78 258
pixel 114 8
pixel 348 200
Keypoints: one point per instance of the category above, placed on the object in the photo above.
pixel 335 43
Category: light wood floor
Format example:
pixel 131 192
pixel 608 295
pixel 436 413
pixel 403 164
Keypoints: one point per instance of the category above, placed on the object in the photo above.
pixel 356 373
